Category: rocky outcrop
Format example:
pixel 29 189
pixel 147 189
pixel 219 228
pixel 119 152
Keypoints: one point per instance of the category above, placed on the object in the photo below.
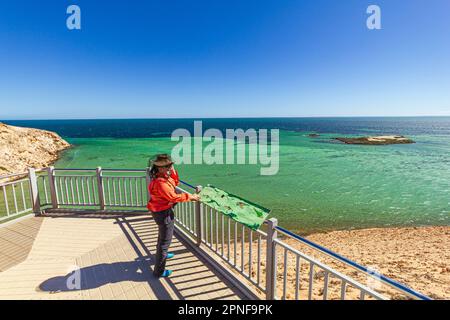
pixel 378 140
pixel 21 148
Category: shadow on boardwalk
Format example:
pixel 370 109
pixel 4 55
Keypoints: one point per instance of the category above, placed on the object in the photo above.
pixel 193 278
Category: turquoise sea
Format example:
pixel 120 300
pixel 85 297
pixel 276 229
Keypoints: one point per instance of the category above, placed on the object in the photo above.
pixel 321 185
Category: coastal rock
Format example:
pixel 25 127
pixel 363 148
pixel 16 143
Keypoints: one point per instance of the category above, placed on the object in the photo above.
pixel 21 148
pixel 313 135
pixel 377 140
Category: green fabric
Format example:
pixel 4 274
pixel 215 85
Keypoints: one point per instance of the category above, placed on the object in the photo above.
pixel 236 208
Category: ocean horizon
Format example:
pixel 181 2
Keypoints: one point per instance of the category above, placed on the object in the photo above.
pixel 322 185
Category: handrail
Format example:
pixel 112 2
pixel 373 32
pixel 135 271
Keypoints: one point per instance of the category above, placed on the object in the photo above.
pixel 187 184
pixel 123 170
pixel 104 169
pixel 119 170
pixel 13 175
pixel 10 175
pixel 355 265
pixel 13 182
pixel 329 269
pixel 73 169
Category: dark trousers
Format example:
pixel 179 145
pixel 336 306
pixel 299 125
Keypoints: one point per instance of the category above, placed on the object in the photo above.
pixel 166 222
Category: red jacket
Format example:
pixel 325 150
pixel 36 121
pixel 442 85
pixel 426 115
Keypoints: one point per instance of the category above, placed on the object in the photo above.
pixel 162 193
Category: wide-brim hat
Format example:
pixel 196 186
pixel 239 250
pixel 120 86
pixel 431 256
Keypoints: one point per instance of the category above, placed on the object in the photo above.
pixel 162 161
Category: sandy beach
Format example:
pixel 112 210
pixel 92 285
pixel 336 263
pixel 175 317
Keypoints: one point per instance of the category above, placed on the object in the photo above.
pixel 418 257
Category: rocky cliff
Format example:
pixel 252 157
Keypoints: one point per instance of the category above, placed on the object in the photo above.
pixel 21 148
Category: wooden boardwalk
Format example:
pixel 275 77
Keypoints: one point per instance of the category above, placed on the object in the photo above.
pixel 16 240
pixel 99 256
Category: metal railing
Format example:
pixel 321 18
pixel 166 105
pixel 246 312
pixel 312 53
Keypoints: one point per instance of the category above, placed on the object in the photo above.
pixel 255 256
pixel 315 271
pixel 100 187
pixel 20 194
pixel 275 267
pixel 371 274
pixel 232 242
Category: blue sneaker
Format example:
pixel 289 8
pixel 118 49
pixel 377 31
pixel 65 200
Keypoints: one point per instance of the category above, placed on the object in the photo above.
pixel 170 255
pixel 166 273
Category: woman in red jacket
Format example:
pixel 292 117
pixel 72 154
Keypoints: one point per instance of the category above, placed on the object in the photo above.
pixel 163 197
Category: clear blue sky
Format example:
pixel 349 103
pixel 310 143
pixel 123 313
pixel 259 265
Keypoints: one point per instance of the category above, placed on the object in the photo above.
pixel 223 58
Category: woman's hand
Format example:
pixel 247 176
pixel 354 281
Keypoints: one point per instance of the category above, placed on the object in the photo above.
pixel 195 197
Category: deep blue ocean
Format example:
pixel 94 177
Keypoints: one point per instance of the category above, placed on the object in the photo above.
pixel 145 128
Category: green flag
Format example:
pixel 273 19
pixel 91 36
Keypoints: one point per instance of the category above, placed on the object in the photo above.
pixel 238 209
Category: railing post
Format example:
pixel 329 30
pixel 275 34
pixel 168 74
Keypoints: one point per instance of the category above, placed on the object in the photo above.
pixel 101 195
pixel 148 180
pixel 271 260
pixel 199 218
pixel 34 191
pixel 52 184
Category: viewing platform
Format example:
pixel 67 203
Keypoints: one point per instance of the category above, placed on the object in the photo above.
pixel 114 254
pixel 86 234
